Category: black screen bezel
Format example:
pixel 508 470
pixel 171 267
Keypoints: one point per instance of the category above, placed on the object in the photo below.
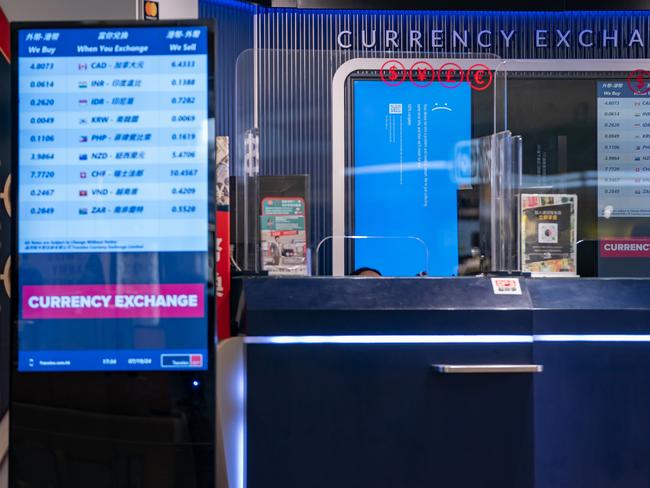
pixel 183 388
pixel 373 75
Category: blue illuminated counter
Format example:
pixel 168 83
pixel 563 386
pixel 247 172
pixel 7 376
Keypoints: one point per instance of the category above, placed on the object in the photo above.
pixel 423 382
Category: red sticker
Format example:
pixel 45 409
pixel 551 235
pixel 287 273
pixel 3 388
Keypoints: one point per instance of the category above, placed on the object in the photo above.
pixel 479 77
pixel 419 74
pixel 639 81
pixel 392 72
pixel 450 77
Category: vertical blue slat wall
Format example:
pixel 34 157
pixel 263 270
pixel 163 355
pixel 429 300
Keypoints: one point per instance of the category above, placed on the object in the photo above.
pixel 234 28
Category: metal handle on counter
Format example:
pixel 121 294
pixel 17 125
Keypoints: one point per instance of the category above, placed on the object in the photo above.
pixel 487 368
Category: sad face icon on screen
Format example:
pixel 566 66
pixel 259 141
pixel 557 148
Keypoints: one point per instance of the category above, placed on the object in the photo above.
pixel 441 106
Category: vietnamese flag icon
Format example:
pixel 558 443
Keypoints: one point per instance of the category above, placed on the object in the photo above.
pixel 83 193
pixel 196 359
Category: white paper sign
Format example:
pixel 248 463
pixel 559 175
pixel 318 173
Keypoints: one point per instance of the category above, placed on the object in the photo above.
pixel 506 286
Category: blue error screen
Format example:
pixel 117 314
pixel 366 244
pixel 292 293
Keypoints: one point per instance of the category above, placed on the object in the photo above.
pixel 410 144
pixel 113 199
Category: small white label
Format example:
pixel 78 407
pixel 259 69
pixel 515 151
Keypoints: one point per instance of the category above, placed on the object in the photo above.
pixel 506 286
pixel 395 108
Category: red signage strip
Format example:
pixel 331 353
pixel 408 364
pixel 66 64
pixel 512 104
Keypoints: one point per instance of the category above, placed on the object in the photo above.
pixel 223 274
pixel 4 36
pixel 625 248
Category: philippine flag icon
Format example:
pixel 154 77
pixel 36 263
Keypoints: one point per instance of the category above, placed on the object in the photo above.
pixel 196 360
pixel 83 139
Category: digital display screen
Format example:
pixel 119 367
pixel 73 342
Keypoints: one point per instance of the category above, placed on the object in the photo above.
pixel 623 177
pixel 113 198
pixel 623 145
pixel 410 143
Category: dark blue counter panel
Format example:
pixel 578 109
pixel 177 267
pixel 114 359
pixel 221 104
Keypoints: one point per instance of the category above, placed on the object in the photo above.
pixel 590 306
pixel 366 414
pixel 592 421
pixel 592 401
pixel 589 293
pixel 360 414
pixel 315 306
pixel 350 416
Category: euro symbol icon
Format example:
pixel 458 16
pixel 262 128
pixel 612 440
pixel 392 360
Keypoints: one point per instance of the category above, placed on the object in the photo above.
pixel 392 73
pixel 422 74
pixel 478 77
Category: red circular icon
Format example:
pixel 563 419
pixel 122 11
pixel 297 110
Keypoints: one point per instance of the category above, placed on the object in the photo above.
pixel 479 77
pixel 421 79
pixel 639 81
pixel 392 76
pixel 453 77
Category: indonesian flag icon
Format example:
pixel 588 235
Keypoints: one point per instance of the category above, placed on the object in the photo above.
pixel 196 360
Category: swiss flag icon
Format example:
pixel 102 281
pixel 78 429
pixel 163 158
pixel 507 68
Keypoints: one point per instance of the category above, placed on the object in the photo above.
pixel 196 359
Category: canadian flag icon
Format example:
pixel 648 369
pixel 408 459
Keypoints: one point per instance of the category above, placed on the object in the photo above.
pixel 196 359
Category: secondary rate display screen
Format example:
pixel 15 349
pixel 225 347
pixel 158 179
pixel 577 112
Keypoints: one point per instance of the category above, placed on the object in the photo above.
pixel 113 198
pixel 409 145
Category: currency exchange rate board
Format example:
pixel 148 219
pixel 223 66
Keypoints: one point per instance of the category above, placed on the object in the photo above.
pixel 113 198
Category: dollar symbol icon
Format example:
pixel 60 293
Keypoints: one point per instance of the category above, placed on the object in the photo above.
pixel 392 73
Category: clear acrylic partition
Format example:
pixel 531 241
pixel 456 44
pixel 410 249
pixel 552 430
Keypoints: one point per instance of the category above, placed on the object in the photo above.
pixel 498 159
pixel 379 246
pixel 391 161
pixel 584 205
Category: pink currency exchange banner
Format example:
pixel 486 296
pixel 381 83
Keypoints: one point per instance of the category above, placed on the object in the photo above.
pixel 113 301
